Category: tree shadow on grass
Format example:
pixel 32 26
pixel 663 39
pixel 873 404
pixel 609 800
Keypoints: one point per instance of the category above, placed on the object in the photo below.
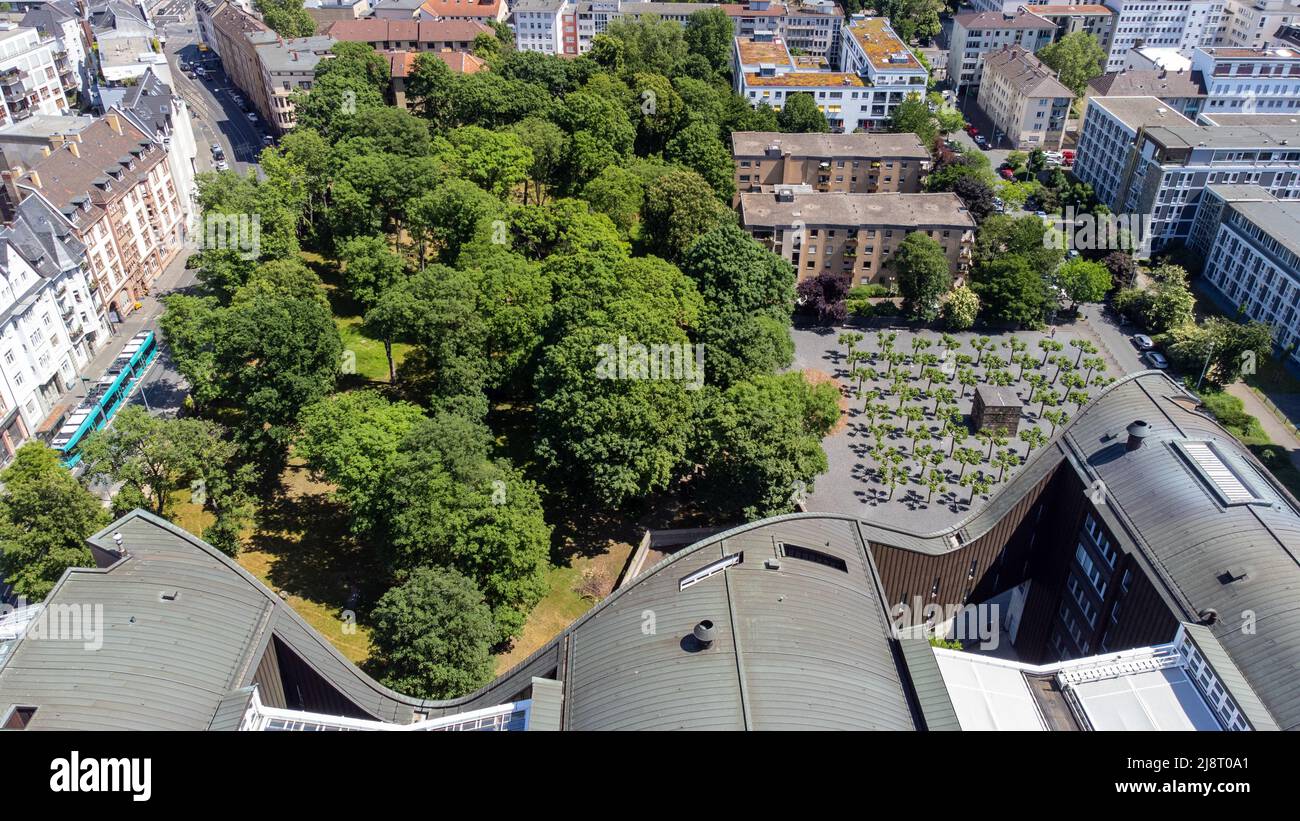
pixel 314 555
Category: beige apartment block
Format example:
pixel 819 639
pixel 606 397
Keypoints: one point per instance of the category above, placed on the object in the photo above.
pixel 843 163
pixel 1025 101
pixel 855 234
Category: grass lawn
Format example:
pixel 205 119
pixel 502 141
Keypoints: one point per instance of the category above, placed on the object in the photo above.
pixel 558 608
pixel 371 362
pixel 293 547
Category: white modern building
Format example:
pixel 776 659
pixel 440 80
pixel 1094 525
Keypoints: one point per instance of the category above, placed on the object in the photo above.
pixel 1153 163
pixel 1249 80
pixel 1253 23
pixel 59 22
pixel 974 35
pixel 811 27
pixel 1107 134
pixel 876 73
pixel 1179 24
pixel 30 81
pixel 1250 241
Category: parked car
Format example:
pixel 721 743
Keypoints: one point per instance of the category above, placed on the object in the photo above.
pixel 1006 173
pixel 1068 156
pixel 972 130
pixel 268 140
pixel 1143 342
pixel 1156 360
pixel 222 165
pixel 252 118
pixel 982 143
pixel 217 152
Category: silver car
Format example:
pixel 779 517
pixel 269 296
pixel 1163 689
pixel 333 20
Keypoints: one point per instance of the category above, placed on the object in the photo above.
pixel 1157 360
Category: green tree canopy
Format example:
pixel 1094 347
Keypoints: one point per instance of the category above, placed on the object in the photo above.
pixel 921 267
pixel 1076 58
pixel 45 518
pixel 432 635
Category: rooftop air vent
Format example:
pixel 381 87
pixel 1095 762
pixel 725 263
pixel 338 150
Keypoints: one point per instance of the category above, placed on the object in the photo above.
pixel 1137 433
pixel 1234 573
pixel 704 633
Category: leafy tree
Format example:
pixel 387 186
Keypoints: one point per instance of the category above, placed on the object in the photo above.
pixel 960 308
pixel 1076 58
pixel 548 145
pixel 432 635
pixel 286 18
pixel 800 114
pixel 913 116
pixel 1229 347
pixel 709 34
pixel 45 517
pixel 496 161
pixel 619 194
pixel 482 518
pixel 976 194
pixel 824 296
pixel 679 207
pixel 762 443
pixel 1011 291
pixel 923 275
pixel 649 44
pixel 153 456
pixel 1122 268
pixel 450 216
pixel 351 441
pixel 272 355
pixel 370 268
pixel 1083 281
pixel 606 425
pixel 698 148
pixel 189 327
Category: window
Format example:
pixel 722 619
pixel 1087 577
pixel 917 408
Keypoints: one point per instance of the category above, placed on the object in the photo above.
pixel 711 570
pixel 807 554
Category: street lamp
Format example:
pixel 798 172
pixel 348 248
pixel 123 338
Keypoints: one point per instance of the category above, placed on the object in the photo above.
pixel 1208 354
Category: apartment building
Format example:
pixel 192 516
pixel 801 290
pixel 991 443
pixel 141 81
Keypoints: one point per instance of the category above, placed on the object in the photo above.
pixel 151 106
pixel 401 64
pixel 1255 23
pixel 50 325
pixel 409 35
pixel 976 34
pixel 1179 24
pixel 59 22
pixel 854 234
pixel 839 163
pixel 1166 167
pixel 286 67
pixel 1094 19
pixel 810 27
pixel 231 26
pixel 31 80
pixel 477 11
pixel 111 186
pixel 1183 91
pixel 1249 80
pixel 1025 101
pixel 1250 243
pixel 765 73
pixel 1107 135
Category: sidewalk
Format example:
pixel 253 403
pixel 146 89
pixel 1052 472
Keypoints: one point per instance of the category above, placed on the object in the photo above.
pixel 1282 434
pixel 173 277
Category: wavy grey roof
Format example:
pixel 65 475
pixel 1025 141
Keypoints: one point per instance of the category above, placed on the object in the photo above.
pixel 800 646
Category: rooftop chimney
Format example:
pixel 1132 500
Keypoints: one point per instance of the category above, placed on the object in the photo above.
pixel 1137 432
pixel 704 633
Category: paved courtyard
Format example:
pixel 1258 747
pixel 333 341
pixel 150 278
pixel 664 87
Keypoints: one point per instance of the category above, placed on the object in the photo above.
pixel 906 453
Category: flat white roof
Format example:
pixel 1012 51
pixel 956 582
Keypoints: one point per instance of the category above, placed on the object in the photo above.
pixel 1154 700
pixel 988 694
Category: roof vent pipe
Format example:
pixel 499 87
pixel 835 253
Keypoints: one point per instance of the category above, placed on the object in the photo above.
pixel 704 633
pixel 1137 432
